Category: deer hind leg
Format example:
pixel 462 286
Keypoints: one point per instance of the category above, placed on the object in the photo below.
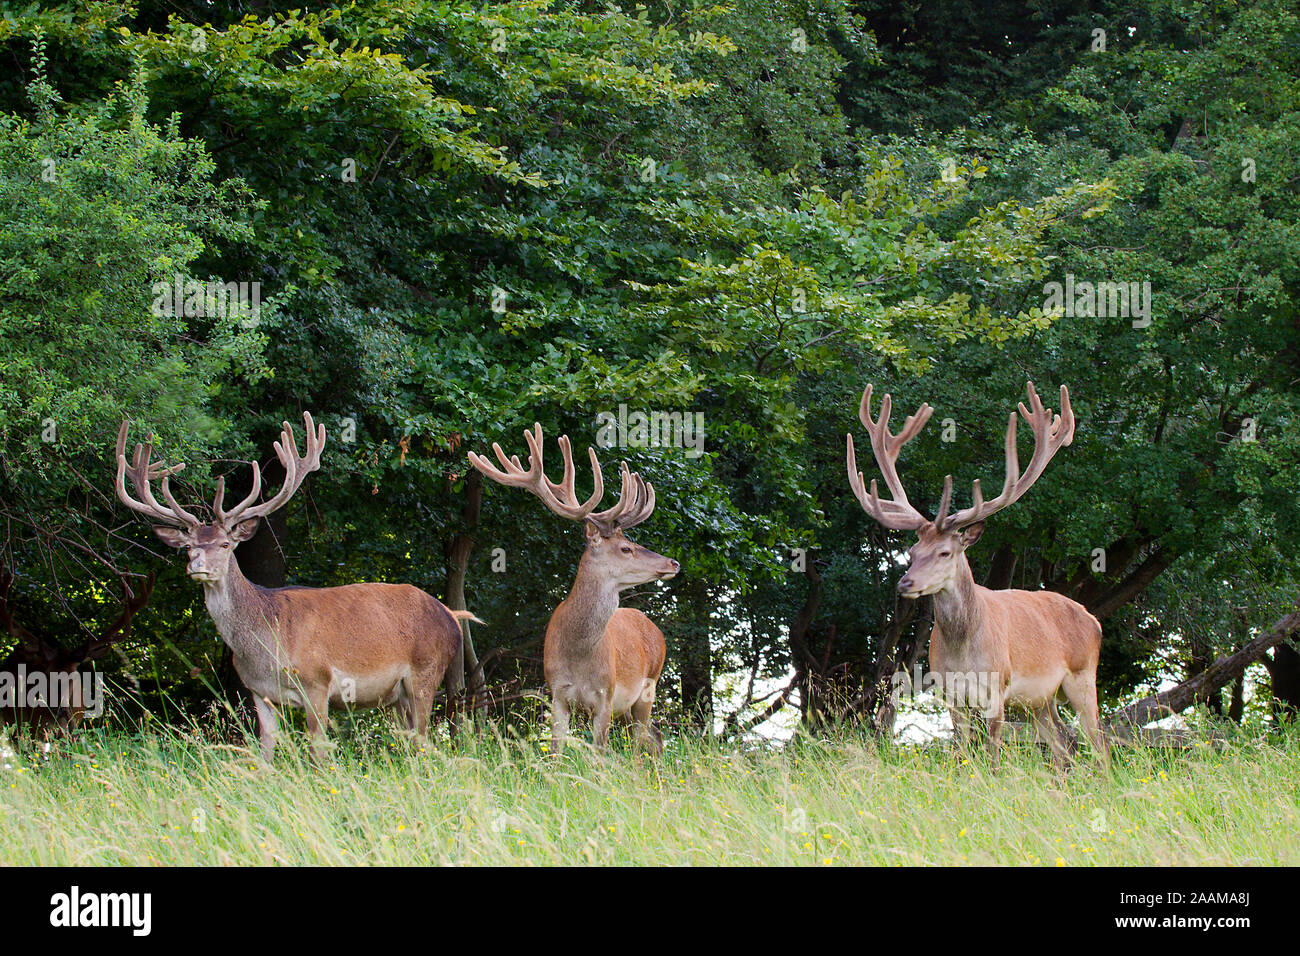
pixel 267 724
pixel 1081 690
pixel 402 702
pixel 407 702
pixel 1068 736
pixel 420 689
pixel 1049 730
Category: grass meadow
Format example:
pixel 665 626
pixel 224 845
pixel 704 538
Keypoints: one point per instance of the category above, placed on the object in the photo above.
pixel 162 797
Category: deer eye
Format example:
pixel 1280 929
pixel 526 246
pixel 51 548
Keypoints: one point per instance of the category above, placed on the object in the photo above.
pixel 945 554
pixel 626 550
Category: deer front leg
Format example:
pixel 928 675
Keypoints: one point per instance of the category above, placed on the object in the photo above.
pixel 995 722
pixel 960 729
pixel 559 722
pixel 602 720
pixel 267 724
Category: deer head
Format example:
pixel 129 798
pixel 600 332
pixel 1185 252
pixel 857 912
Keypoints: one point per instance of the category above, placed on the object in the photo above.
pixel 941 543
pixel 610 554
pixel 210 544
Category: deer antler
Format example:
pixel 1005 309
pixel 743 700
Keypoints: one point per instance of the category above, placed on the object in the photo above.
pixel 296 469
pixel 636 499
pixel 1051 433
pixel 898 514
pixel 142 470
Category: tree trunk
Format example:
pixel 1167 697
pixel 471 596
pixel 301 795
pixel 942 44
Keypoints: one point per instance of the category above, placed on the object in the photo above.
pixel 801 657
pixel 1137 581
pixel 464 680
pixel 1134 565
pixel 696 655
pixel 261 557
pixel 1237 703
pixel 893 657
pixel 1002 569
pixel 1196 665
pixel 1208 682
pixel 1284 675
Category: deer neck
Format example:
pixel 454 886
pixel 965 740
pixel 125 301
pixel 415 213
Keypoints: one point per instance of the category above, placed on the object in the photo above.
pixel 586 612
pixel 238 609
pixel 958 610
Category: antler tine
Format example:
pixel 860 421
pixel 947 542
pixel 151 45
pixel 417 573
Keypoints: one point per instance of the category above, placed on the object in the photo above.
pixel 1051 433
pixel 143 470
pixel 135 600
pixel 891 514
pixel 224 517
pixel 647 508
pixel 296 469
pixel 642 501
pixel 566 453
pixel 511 471
pixel 510 464
pixel 864 408
pixel 558 497
pixel 636 502
pixel 167 492
pixel 898 514
pixel 561 498
pixel 945 500
pixel 536 449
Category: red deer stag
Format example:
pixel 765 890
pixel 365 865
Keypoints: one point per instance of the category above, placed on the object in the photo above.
pixel 989 648
pixel 599 658
pixel 359 645
pixel 59 666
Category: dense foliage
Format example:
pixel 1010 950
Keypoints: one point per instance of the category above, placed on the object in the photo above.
pixel 464 218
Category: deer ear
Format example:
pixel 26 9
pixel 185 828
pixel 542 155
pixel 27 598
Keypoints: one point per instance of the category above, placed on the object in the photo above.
pixel 245 529
pixel 174 537
pixel 972 534
pixel 593 533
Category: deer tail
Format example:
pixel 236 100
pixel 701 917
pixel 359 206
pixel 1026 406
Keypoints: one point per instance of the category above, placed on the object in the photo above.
pixel 466 616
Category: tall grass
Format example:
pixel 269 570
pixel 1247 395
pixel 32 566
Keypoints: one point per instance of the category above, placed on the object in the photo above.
pixel 161 797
